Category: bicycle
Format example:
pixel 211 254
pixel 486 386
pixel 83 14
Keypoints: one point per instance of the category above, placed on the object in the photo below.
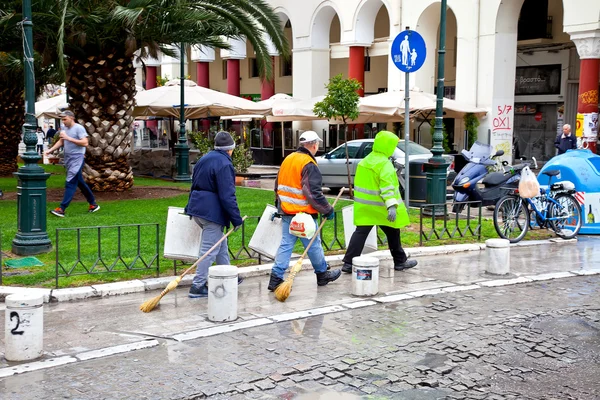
pixel 555 208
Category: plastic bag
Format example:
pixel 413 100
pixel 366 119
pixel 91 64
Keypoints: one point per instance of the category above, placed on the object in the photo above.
pixel 303 226
pixel 528 184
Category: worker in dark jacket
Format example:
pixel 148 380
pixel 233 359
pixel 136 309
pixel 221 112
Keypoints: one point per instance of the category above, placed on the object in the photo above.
pixel 298 189
pixel 566 140
pixel 213 206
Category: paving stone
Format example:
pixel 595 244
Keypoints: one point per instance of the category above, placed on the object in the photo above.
pixel 334 374
pixel 265 384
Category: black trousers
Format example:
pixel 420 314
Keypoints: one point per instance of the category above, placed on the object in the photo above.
pixel 359 237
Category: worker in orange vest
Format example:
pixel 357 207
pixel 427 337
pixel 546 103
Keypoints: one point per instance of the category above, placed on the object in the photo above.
pixel 298 189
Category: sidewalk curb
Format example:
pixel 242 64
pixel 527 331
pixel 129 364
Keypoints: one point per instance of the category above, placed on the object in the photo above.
pixel 142 285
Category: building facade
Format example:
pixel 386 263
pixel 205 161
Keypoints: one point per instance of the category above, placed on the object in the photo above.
pixel 533 64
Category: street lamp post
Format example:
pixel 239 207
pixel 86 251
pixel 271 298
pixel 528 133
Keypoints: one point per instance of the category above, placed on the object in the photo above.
pixel 31 237
pixel 437 166
pixel 182 150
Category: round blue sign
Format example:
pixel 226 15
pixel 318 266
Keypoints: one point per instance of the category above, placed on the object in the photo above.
pixel 408 51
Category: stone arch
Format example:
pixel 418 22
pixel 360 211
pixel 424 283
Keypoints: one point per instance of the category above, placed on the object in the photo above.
pixel 365 17
pixel 321 24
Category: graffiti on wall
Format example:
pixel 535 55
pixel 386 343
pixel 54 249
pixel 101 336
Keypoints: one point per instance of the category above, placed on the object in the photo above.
pixel 502 128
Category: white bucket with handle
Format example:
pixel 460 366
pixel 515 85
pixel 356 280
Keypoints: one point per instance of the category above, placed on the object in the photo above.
pixel 267 236
pixel 349 228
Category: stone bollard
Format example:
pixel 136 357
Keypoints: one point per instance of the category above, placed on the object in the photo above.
pixel 498 256
pixel 222 293
pixel 24 327
pixel 365 276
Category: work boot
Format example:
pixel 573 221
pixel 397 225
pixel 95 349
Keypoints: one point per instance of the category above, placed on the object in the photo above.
pixel 405 265
pixel 328 276
pixel 198 292
pixel 347 268
pixel 274 282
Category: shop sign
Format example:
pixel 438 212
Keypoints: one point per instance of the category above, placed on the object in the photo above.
pixel 538 80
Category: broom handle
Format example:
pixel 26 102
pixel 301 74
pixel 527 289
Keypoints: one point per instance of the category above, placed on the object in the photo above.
pixel 210 250
pixel 320 226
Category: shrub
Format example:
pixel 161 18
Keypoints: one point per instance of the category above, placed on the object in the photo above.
pixel 241 157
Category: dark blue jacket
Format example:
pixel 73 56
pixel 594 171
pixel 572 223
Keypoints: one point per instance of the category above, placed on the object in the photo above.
pixel 212 195
pixel 565 143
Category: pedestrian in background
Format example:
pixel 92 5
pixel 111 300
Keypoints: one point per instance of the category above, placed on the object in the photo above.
pixel 377 202
pixel 213 205
pixel 74 139
pixel 566 140
pixel 40 140
pixel 298 189
pixel 50 134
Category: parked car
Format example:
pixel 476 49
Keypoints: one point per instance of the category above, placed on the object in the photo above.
pixel 333 164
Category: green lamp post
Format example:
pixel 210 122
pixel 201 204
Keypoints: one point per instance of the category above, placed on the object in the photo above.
pixel 31 237
pixel 182 150
pixel 436 167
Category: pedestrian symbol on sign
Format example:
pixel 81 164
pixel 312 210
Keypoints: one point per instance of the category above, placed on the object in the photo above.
pixel 408 51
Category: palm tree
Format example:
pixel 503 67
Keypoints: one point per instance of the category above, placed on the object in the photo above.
pixel 12 87
pixel 94 42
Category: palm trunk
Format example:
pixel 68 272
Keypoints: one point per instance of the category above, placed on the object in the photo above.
pixel 11 123
pixel 102 90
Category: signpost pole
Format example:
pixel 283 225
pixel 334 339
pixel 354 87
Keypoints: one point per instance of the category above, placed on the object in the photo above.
pixel 406 135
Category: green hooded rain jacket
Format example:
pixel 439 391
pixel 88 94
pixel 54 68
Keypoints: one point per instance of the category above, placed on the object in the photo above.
pixel 376 186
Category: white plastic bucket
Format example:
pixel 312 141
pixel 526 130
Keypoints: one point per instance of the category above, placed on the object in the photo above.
pixel 222 293
pixel 267 236
pixel 24 327
pixel 349 228
pixel 182 237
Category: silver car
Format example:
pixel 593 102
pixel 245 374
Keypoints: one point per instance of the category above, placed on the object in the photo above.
pixel 333 164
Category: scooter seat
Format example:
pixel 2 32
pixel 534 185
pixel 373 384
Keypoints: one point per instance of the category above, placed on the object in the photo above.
pixel 493 179
pixel 552 172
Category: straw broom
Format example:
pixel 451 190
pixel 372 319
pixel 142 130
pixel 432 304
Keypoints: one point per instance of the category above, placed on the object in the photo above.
pixel 282 292
pixel 151 304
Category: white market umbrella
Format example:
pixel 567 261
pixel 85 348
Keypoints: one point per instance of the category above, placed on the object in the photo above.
pixel 52 107
pixel 200 102
pixel 294 110
pixel 390 105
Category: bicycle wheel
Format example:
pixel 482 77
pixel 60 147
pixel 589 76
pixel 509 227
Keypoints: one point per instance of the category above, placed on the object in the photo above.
pixel 511 218
pixel 568 216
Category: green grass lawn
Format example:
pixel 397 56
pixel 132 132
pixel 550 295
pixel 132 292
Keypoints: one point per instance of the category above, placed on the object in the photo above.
pixel 149 211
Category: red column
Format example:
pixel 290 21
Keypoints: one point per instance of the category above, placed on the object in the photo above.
pixel 233 77
pixel 203 79
pixel 151 73
pixel 588 91
pixel 202 73
pixel 356 70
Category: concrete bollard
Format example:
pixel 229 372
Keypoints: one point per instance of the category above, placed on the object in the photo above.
pixel 498 256
pixel 222 293
pixel 365 276
pixel 24 327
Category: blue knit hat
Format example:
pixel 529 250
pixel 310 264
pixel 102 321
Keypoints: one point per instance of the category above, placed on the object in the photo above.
pixel 224 141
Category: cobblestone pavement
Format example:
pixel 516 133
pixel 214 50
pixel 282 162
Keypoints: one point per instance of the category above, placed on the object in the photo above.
pixel 528 341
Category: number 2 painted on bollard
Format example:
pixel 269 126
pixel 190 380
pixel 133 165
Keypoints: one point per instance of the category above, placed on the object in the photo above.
pixel 14 330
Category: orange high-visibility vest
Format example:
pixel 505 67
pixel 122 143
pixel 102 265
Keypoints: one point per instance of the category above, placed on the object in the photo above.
pixel 289 184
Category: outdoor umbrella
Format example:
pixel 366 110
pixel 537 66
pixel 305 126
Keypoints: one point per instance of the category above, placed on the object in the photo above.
pixel 294 110
pixel 52 107
pixel 390 105
pixel 200 102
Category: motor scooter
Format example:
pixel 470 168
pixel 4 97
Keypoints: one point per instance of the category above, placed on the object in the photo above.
pixel 495 185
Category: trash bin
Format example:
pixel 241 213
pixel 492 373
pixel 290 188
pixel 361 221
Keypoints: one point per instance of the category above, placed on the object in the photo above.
pixel 417 183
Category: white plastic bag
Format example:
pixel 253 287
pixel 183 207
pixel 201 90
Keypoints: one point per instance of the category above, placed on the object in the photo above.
pixel 303 226
pixel 528 185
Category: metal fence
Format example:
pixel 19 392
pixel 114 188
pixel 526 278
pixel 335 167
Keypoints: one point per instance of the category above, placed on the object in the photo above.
pixel 109 254
pixel 435 223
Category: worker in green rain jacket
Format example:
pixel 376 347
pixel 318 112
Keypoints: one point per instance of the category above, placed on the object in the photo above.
pixel 377 202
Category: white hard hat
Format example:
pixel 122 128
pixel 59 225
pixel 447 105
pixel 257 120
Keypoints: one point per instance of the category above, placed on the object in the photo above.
pixel 309 136
pixel 303 226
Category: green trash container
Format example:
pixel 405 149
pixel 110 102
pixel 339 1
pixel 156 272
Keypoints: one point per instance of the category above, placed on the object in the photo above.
pixel 417 183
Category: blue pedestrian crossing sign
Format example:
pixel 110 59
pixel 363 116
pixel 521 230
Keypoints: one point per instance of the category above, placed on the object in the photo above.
pixel 408 51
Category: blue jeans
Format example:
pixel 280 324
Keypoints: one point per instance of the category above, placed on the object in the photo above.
pixel 288 241
pixel 72 185
pixel 211 234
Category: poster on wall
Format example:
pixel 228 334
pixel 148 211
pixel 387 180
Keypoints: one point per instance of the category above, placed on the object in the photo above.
pixel 591 208
pixel 560 118
pixel 590 125
pixel 501 136
pixel 579 125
